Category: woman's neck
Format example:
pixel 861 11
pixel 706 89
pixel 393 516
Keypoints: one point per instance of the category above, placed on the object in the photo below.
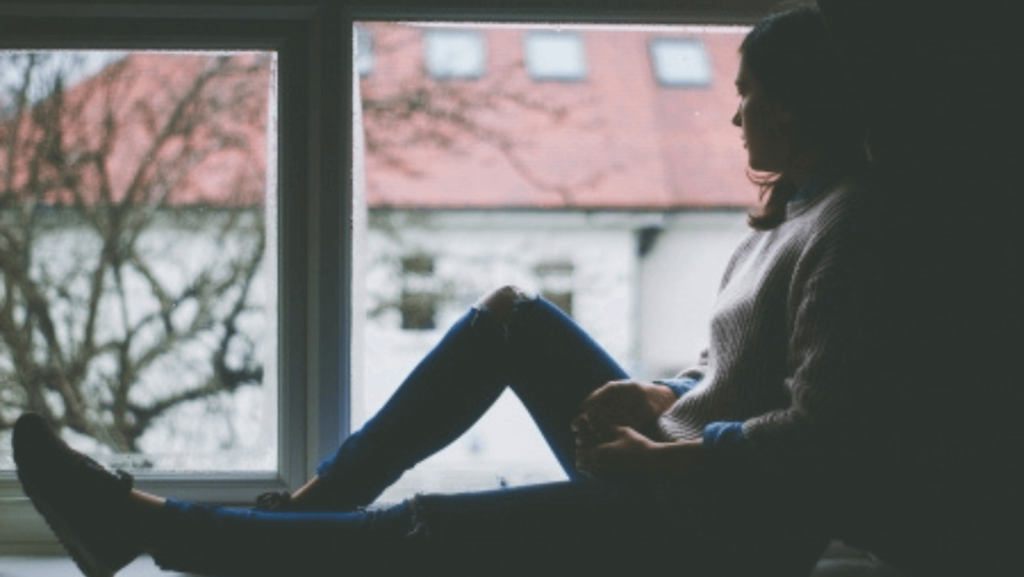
pixel 804 166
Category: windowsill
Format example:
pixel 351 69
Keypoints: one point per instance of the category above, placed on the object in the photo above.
pixel 64 567
pixel 838 561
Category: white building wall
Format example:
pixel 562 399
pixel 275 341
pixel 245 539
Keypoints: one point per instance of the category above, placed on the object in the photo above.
pixel 649 313
pixel 679 280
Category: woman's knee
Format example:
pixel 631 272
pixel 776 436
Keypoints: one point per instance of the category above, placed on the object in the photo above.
pixel 501 301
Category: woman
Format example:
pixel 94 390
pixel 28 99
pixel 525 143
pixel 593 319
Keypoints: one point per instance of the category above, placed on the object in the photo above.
pixel 710 472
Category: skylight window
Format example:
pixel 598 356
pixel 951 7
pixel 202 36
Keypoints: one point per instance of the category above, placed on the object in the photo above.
pixel 364 51
pixel 555 56
pixel 680 62
pixel 455 54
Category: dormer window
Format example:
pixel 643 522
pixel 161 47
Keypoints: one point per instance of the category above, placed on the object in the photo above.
pixel 455 54
pixel 364 51
pixel 557 56
pixel 680 62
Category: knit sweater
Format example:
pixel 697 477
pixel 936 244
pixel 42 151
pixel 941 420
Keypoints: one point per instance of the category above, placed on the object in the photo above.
pixel 787 343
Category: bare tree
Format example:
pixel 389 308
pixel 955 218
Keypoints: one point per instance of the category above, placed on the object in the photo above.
pixel 410 110
pixel 105 323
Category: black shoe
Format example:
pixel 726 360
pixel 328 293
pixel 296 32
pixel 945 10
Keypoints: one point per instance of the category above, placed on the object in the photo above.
pixel 82 502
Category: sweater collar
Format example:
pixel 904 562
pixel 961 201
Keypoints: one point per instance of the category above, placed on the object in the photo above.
pixel 819 180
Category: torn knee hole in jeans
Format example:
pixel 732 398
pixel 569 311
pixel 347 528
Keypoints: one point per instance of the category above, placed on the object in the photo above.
pixel 502 304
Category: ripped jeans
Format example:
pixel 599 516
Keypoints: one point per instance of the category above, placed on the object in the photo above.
pixel 578 527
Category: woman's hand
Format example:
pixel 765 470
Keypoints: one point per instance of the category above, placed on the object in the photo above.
pixel 623 452
pixel 625 403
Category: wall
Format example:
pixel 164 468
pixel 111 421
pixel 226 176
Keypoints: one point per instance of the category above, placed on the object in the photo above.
pixel 679 279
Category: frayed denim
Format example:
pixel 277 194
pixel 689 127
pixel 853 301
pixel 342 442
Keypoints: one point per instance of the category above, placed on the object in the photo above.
pixel 581 527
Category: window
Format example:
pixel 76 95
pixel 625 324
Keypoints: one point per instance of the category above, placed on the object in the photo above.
pixel 455 54
pixel 546 186
pixel 555 56
pixel 313 364
pixel 160 365
pixel 198 262
pixel 680 62
pixel 364 51
pixel 419 295
pixel 555 279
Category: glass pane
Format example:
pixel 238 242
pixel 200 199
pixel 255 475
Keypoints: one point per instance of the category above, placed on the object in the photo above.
pixel 617 198
pixel 137 260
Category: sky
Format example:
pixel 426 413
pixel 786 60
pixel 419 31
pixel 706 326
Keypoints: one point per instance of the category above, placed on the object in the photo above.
pixel 74 64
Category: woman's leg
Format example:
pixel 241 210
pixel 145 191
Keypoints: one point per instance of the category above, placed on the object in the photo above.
pixel 508 339
pixel 554 366
pixel 572 528
pixel 583 528
pixel 587 528
pixel 210 540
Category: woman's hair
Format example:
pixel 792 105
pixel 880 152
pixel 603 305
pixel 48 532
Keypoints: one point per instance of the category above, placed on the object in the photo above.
pixel 793 57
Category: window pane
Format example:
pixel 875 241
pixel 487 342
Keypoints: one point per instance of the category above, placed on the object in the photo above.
pixel 618 199
pixel 137 307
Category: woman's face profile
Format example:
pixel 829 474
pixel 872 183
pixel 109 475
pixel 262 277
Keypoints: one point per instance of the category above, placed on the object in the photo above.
pixel 766 134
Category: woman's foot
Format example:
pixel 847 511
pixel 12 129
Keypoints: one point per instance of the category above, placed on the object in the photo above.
pixel 84 504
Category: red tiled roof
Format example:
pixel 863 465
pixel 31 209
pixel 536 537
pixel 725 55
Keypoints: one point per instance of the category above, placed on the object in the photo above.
pixel 625 142
pixel 622 141
pixel 125 108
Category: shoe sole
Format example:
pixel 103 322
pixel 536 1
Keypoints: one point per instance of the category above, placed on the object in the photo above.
pixel 72 541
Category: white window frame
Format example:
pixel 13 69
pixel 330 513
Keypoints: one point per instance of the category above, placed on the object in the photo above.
pixel 315 44
pixel 313 273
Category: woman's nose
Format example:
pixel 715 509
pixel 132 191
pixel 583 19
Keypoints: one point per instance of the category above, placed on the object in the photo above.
pixel 736 120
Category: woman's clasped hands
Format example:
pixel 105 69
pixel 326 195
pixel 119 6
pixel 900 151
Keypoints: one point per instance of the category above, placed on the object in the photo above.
pixel 608 439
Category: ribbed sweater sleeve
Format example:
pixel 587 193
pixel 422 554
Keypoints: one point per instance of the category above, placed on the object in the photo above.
pixel 695 372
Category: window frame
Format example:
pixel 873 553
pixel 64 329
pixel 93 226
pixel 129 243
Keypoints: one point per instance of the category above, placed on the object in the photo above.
pixel 307 295
pixel 315 43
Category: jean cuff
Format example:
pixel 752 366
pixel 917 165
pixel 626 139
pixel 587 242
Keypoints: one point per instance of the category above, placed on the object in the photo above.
pixel 726 447
pixel 680 385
